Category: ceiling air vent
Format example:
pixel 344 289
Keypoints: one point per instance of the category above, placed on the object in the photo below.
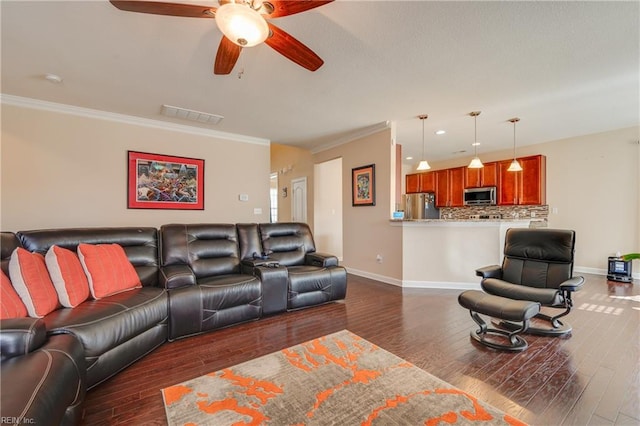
pixel 191 115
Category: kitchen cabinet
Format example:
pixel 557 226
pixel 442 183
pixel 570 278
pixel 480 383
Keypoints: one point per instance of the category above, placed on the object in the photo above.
pixel 485 176
pixel 527 187
pixel 420 182
pixel 412 183
pixel 450 187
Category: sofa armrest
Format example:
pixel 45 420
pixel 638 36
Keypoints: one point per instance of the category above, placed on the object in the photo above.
pixel 248 266
pixel 19 336
pixel 275 282
pixel 491 271
pixel 572 284
pixel 177 276
pixel 320 259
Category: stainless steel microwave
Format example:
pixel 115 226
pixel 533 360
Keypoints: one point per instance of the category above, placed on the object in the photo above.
pixel 480 196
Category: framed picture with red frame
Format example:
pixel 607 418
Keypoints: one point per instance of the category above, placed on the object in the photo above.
pixel 157 181
pixel 363 186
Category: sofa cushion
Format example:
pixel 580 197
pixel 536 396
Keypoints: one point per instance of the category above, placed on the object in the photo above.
pixel 67 275
pixel 10 304
pixel 108 269
pixel 287 243
pixel 31 280
pixel 111 321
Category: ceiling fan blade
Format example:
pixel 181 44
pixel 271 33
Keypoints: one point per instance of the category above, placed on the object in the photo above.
pixel 227 56
pixel 171 9
pixel 290 7
pixel 289 47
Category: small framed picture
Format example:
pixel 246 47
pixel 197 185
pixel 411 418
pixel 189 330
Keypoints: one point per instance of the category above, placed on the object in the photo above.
pixel 363 186
pixel 159 181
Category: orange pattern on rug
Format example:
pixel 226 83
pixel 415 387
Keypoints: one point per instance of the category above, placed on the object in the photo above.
pixel 336 379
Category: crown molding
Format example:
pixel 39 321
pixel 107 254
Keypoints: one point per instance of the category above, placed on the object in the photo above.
pixel 352 136
pixel 126 119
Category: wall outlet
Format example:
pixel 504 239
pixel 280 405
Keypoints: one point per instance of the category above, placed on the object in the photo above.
pixel 257 210
pixel 379 258
pixel 533 214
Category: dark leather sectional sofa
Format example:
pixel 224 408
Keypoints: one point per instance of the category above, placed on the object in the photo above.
pixel 196 278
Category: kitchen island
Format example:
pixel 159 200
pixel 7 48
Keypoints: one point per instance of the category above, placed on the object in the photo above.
pixel 439 253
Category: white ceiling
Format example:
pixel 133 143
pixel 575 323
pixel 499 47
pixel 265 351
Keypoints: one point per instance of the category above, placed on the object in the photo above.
pixel 565 68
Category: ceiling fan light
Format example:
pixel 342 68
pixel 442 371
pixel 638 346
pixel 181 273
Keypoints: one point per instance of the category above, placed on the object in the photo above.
pixel 241 24
pixel 423 165
pixel 514 166
pixel 475 163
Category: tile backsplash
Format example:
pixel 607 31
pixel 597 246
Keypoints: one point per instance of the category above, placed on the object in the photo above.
pixel 540 213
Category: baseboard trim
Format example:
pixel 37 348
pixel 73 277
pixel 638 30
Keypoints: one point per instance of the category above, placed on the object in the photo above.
pixel 434 285
pixel 377 277
pixel 597 271
pixel 442 285
pixel 452 285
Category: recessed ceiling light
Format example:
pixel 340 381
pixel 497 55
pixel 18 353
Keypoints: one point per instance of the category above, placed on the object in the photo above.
pixel 409 158
pixel 53 78
pixel 475 144
pixel 440 132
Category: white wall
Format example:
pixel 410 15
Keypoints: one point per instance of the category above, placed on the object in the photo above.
pixel 366 229
pixel 327 205
pixel 66 170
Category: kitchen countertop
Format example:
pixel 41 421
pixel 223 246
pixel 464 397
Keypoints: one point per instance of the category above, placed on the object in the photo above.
pixel 532 221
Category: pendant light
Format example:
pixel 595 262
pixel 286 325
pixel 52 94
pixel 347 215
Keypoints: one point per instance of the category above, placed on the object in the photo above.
pixel 514 166
pixel 475 163
pixel 423 165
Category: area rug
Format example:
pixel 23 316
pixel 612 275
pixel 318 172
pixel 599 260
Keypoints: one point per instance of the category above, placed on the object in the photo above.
pixel 339 379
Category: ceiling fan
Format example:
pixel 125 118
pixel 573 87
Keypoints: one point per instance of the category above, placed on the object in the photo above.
pixel 243 24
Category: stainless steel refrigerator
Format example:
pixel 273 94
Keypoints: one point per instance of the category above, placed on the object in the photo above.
pixel 421 206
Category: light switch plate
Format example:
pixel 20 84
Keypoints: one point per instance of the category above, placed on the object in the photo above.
pixel 243 197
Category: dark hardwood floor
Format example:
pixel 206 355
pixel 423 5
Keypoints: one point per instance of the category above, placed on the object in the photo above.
pixel 589 378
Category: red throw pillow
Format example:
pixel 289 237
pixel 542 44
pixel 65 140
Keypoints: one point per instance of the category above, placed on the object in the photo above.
pixel 67 276
pixel 10 304
pixel 31 280
pixel 108 269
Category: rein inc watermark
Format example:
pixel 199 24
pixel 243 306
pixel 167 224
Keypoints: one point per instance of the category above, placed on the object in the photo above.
pixel 8 420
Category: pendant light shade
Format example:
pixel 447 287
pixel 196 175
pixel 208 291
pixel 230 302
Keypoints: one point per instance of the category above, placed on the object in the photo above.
pixel 423 165
pixel 475 162
pixel 515 165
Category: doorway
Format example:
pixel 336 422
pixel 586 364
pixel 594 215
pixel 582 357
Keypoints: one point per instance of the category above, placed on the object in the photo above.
pixel 299 200
pixel 327 207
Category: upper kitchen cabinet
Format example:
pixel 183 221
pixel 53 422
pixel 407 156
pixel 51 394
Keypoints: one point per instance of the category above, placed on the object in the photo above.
pixel 450 187
pixel 527 187
pixel 485 176
pixel 420 182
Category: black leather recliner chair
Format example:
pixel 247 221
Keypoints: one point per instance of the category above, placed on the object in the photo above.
pixel 538 267
pixel 201 268
pixel 313 278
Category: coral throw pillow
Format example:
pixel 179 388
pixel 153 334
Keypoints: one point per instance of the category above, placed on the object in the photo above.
pixel 108 269
pixel 67 275
pixel 10 304
pixel 31 280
